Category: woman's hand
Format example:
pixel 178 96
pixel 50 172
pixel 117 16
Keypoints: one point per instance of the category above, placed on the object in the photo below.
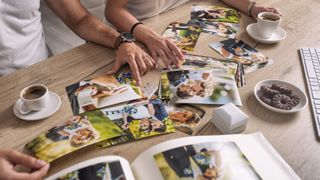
pixel 165 49
pixel 10 158
pixel 259 9
pixel 139 61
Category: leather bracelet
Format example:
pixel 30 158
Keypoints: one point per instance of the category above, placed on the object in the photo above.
pixel 134 26
pixel 252 4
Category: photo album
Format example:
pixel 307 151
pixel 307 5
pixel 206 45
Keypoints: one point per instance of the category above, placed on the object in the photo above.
pixel 198 87
pixel 102 91
pixel 250 157
pixel 241 52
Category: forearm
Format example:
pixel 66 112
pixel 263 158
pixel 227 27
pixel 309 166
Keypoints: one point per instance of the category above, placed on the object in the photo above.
pixel 123 20
pixel 84 24
pixel 241 5
pixel 92 29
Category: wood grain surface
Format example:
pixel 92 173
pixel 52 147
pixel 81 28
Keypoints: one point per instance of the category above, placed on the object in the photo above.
pixel 292 135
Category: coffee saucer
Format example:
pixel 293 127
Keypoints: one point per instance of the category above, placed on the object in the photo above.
pixel 277 36
pixel 52 107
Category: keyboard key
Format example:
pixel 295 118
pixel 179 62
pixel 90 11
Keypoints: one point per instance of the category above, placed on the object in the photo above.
pixel 314 84
pixel 313 80
pixel 316 94
pixel 318 111
pixel 315 88
pixel 318 106
pixel 317 101
pixel 311 72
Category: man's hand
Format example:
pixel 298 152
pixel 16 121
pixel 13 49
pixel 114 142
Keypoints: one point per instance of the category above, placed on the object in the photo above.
pixel 139 61
pixel 165 49
pixel 10 158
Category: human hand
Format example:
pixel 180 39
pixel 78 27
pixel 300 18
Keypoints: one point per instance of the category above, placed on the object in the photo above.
pixel 165 49
pixel 258 9
pixel 139 61
pixel 10 158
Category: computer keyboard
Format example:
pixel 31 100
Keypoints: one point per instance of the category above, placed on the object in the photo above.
pixel 310 58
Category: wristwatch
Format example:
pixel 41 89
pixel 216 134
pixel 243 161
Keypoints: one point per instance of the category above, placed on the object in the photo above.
pixel 124 37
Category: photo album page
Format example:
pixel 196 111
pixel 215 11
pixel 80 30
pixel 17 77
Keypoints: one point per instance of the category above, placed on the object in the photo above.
pixel 212 157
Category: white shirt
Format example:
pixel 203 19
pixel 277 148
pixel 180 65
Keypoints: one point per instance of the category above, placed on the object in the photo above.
pixel 22 40
pixel 142 9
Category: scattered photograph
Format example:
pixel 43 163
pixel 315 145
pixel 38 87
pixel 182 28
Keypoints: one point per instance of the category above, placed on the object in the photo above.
pixel 199 87
pixel 227 30
pixel 224 66
pixel 183 35
pixel 77 132
pixel 215 14
pixel 102 91
pixel 185 117
pixel 100 171
pixel 141 120
pixel 205 161
pixel 243 53
pixel 198 62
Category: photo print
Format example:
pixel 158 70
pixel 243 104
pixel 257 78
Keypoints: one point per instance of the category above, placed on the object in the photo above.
pixel 77 132
pixel 241 52
pixel 141 120
pixel 186 118
pixel 205 161
pixel 102 91
pixel 183 35
pixel 227 30
pixel 199 87
pixel 214 14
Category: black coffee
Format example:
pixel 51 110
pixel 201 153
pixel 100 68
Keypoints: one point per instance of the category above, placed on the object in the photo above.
pixel 270 18
pixel 34 92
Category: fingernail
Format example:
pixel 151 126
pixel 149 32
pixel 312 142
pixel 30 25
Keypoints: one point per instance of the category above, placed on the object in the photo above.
pixel 41 162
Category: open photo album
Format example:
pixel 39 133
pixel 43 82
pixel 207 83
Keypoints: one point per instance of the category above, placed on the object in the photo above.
pixel 229 157
pixel 198 87
pixel 102 91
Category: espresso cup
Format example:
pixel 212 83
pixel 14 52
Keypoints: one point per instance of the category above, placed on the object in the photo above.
pixel 267 24
pixel 34 98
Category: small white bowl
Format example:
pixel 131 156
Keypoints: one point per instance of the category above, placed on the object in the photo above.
pixel 303 97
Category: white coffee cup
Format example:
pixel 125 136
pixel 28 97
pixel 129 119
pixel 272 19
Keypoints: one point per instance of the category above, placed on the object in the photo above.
pixel 267 24
pixel 34 98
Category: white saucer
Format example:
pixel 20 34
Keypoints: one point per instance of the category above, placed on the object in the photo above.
pixel 52 107
pixel 303 97
pixel 277 36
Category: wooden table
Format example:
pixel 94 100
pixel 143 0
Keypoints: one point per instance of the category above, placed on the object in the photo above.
pixel 292 135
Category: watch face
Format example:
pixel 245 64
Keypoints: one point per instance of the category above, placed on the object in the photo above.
pixel 127 36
